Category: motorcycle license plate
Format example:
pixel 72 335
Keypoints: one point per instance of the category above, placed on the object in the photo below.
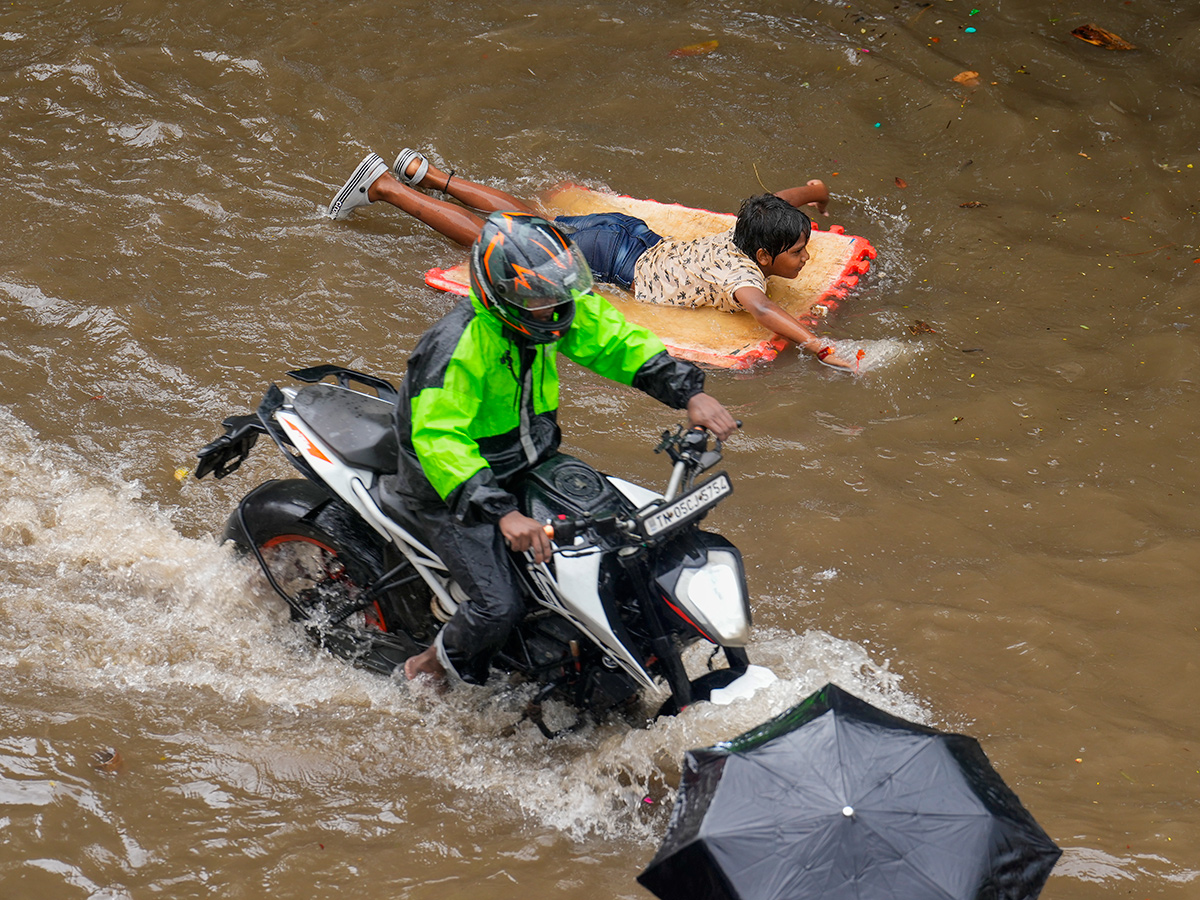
pixel 688 507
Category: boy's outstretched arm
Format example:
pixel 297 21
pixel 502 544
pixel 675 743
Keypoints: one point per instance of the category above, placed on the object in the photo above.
pixel 771 315
pixel 814 193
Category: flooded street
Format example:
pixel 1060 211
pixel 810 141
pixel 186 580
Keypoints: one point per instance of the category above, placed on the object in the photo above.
pixel 991 530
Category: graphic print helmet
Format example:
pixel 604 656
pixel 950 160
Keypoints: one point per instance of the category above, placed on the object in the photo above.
pixel 528 274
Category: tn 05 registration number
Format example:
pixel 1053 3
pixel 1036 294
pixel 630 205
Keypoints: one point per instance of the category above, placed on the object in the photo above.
pixel 687 507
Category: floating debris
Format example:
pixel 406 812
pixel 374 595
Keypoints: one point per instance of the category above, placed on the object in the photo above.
pixel 695 49
pixel 108 761
pixel 1094 34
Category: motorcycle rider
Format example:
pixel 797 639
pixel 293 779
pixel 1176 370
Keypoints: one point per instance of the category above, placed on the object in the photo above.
pixel 479 406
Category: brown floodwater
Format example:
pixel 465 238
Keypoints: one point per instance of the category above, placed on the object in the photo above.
pixel 993 529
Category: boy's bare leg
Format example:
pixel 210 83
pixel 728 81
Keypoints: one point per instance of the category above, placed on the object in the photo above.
pixel 449 219
pixel 460 225
pixel 469 193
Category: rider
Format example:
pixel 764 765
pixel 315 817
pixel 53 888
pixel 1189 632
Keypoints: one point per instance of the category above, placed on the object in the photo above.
pixel 479 406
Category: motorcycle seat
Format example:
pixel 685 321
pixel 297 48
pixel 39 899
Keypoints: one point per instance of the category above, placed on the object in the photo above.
pixel 357 426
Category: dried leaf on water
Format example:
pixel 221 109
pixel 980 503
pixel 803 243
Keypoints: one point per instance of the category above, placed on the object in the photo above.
pixel 695 49
pixel 919 327
pixel 1094 34
pixel 972 204
pixel 900 182
pixel 968 78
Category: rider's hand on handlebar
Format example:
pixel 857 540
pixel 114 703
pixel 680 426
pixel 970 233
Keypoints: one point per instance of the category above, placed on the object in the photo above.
pixel 705 411
pixel 524 533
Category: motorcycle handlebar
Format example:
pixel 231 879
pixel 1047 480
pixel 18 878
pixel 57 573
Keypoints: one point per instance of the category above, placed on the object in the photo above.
pixel 563 530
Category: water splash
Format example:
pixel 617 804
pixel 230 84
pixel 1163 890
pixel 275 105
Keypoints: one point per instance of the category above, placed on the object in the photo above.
pixel 871 355
pixel 102 596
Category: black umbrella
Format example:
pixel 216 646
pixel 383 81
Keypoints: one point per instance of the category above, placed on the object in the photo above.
pixel 837 800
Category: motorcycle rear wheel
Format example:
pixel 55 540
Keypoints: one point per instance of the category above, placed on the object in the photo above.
pixel 308 568
pixel 322 561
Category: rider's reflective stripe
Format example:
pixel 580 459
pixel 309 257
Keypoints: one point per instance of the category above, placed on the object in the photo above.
pixel 526 401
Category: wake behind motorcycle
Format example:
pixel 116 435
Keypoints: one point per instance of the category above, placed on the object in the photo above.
pixel 633 580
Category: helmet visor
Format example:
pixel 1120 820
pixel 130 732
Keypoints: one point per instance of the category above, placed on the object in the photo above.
pixel 552 283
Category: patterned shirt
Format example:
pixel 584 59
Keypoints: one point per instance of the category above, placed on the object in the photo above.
pixel 702 271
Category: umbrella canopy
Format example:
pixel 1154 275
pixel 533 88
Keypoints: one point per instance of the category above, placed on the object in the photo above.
pixel 837 800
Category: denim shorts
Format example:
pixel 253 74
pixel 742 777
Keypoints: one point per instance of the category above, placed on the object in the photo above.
pixel 611 243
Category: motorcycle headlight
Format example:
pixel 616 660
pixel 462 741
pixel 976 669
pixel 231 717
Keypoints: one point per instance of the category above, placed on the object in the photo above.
pixel 715 592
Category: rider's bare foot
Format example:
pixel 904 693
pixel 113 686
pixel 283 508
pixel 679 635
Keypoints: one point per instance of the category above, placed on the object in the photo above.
pixel 426 666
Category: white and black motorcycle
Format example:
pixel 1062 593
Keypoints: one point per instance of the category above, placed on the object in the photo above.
pixel 632 582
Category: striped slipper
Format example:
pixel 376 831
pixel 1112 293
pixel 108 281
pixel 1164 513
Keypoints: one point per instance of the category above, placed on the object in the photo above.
pixel 354 192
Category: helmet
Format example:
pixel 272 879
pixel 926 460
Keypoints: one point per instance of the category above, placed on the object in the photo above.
pixel 528 274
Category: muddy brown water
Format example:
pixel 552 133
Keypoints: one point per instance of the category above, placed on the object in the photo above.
pixel 992 530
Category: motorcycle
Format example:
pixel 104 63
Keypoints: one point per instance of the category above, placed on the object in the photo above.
pixel 632 582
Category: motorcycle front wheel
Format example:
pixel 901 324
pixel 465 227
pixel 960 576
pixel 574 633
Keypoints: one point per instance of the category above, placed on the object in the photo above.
pixel 702 689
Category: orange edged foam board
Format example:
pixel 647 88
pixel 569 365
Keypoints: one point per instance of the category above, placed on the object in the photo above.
pixel 707 335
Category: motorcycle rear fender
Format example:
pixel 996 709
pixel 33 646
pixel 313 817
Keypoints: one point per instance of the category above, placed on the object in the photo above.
pixel 224 455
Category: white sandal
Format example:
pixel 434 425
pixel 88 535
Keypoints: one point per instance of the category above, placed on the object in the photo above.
pixel 401 164
pixel 354 192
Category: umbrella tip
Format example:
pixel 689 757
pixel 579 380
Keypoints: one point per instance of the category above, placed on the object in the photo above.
pixel 848 811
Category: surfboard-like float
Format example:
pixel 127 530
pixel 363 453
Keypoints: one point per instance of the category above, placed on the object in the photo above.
pixel 707 335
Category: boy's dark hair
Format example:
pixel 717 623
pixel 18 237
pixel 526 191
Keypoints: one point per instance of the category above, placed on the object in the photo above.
pixel 770 223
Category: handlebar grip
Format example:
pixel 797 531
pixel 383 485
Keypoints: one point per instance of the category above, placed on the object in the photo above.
pixel 563 530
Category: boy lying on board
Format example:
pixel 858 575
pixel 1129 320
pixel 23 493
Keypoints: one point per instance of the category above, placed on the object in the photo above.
pixel 728 270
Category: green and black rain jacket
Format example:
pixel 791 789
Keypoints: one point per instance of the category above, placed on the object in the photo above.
pixel 478 407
